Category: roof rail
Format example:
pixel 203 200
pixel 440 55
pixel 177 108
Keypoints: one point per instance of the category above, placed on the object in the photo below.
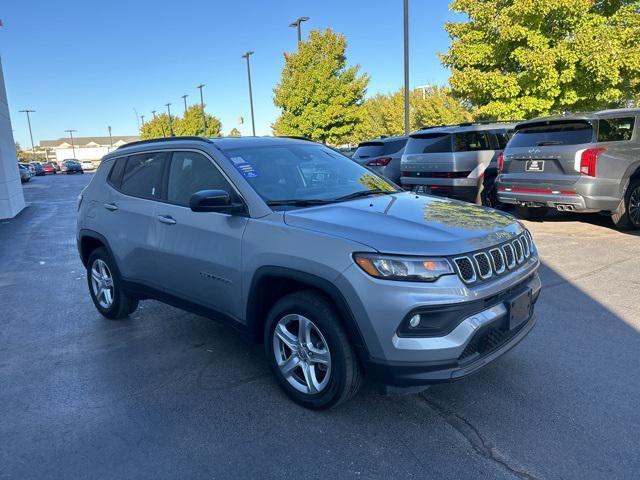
pixel 165 139
pixel 295 137
pixel 468 124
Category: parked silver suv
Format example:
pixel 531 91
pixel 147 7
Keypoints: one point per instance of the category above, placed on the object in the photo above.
pixel 338 271
pixel 586 162
pixel 382 155
pixel 456 161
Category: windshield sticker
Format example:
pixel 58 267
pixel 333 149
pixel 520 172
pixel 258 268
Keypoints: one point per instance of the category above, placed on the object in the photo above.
pixel 245 168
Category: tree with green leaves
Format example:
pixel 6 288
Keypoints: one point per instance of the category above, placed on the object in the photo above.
pixel 515 59
pixel 320 97
pixel 235 132
pixel 383 114
pixel 191 123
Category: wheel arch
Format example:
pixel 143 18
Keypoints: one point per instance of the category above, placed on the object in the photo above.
pixel 88 241
pixel 270 283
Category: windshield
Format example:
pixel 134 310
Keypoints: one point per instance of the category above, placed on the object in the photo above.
pixel 303 172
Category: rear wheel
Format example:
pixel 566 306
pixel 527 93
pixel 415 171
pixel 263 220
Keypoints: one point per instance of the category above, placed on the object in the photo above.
pixel 309 351
pixel 627 217
pixel 488 194
pixel 105 286
pixel 532 213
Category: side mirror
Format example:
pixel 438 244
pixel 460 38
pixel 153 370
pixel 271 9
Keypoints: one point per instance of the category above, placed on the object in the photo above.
pixel 214 201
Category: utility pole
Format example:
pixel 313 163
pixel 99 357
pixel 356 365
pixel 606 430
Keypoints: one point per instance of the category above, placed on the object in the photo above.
pixel 184 97
pixel 110 138
pixel 204 118
pixel 73 147
pixel 253 122
pixel 33 149
pixel 406 67
pixel 297 24
pixel 168 105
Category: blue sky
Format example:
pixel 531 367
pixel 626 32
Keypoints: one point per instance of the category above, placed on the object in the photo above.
pixel 87 64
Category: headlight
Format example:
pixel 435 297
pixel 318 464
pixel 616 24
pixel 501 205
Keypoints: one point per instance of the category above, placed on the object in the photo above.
pixel 410 269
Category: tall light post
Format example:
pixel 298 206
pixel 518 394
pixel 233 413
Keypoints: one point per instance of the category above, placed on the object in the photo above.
pixel 142 119
pixel 406 67
pixel 73 147
pixel 253 122
pixel 168 105
pixel 110 138
pixel 153 112
pixel 204 118
pixel 33 148
pixel 297 24
pixel 184 97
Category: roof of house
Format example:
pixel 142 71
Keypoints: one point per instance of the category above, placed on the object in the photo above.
pixel 84 141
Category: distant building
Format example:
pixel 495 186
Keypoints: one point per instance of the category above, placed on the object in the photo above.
pixel 86 148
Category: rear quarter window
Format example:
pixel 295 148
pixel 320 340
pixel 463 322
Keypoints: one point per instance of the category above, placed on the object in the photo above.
pixel 615 129
pixel 555 133
pixel 471 141
pixel 429 143
pixel 115 175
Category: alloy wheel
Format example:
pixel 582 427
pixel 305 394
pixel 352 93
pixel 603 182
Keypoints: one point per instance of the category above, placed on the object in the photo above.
pixel 102 283
pixel 302 354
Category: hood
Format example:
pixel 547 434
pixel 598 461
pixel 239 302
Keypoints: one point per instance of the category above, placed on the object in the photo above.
pixel 407 224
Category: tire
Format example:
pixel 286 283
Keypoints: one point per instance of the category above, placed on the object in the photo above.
pixel 488 195
pixel 54 172
pixel 120 304
pixel 627 217
pixel 532 213
pixel 337 380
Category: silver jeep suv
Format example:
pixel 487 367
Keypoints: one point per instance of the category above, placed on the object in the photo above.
pixel 587 162
pixel 335 269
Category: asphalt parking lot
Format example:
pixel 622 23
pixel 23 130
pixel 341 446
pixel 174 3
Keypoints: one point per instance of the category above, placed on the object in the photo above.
pixel 168 394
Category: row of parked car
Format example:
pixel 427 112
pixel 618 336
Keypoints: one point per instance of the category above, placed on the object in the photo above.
pixel 36 169
pixel 587 162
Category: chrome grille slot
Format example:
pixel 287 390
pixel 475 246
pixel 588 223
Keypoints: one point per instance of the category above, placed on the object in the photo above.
pixel 518 249
pixel 483 264
pixel 525 244
pixel 509 255
pixel 497 257
pixel 465 269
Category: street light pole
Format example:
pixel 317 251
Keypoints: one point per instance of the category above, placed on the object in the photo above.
pixel 253 122
pixel 153 112
pixel 142 119
pixel 168 105
pixel 73 147
pixel 33 149
pixel 184 97
pixel 204 118
pixel 297 24
pixel 110 138
pixel 406 67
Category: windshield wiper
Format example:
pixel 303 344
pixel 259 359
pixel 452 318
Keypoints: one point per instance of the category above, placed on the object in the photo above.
pixel 363 193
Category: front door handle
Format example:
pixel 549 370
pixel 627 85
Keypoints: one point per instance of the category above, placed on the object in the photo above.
pixel 111 207
pixel 168 219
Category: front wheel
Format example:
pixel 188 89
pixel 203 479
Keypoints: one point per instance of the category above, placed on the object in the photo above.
pixel 627 217
pixel 309 351
pixel 105 286
pixel 532 213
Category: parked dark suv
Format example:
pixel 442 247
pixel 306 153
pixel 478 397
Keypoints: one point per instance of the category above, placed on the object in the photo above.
pixel 382 155
pixel 588 162
pixel 334 268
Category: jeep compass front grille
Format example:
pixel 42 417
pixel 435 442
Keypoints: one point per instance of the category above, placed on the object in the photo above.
pixel 486 264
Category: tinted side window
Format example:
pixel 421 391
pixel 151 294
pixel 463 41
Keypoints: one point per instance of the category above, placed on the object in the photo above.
pixel 615 129
pixel 142 175
pixel 471 141
pixel 190 172
pixel 502 139
pixel 394 146
pixel 429 143
pixel 117 169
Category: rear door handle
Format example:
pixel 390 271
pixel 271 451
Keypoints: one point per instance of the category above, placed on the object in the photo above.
pixel 168 219
pixel 111 207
